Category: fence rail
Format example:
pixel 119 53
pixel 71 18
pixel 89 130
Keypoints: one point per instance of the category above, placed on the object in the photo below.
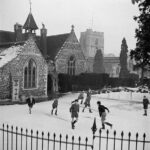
pixel 15 139
pixel 123 143
pixel 19 139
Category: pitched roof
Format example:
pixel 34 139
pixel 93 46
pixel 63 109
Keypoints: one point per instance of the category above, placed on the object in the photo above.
pixel 6 36
pixel 9 54
pixel 30 23
pixel 54 43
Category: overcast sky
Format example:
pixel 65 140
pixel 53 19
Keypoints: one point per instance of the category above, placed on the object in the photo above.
pixel 113 17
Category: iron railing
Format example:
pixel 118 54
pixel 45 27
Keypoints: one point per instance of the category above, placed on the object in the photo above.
pixel 18 139
pixel 122 142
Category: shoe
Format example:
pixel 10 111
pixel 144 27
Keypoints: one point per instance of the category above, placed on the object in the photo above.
pixel 72 125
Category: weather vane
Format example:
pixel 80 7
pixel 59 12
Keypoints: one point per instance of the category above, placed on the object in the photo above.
pixel 30 5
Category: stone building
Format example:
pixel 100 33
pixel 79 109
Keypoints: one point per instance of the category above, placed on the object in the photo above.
pixel 37 60
pixel 65 51
pixel 23 70
pixel 91 41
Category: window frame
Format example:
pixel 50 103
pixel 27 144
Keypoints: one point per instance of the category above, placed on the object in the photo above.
pixel 33 66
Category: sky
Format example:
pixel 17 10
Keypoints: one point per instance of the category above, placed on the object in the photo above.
pixel 113 17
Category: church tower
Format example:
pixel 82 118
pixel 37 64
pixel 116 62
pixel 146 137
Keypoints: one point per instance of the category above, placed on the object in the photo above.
pixel 30 25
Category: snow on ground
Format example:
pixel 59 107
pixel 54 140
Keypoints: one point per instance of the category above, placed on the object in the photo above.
pixel 125 115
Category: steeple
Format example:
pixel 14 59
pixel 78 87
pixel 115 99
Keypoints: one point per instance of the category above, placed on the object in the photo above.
pixel 30 24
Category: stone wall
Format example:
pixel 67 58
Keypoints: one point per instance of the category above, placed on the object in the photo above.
pixel 15 68
pixel 62 61
pixel 5 84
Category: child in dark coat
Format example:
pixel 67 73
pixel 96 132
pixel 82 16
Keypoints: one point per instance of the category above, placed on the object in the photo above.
pixel 74 110
pixel 145 105
pixel 54 106
pixel 30 101
pixel 102 113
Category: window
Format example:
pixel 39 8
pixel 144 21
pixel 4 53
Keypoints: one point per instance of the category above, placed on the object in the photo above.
pixel 30 74
pixel 71 66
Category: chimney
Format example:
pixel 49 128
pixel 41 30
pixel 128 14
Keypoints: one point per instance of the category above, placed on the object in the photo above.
pixel 44 40
pixel 18 32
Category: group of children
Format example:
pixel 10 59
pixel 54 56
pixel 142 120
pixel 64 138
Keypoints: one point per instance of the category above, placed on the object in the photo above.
pixel 74 109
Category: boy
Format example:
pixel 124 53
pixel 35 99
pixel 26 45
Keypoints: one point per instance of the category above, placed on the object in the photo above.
pixel 74 110
pixel 145 105
pixel 54 106
pixel 30 101
pixel 102 114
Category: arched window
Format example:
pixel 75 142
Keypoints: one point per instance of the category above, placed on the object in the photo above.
pixel 71 65
pixel 30 74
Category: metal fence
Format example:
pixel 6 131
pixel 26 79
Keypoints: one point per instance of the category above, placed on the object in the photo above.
pixel 105 141
pixel 19 139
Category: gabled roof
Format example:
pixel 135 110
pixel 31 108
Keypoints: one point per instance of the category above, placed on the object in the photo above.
pixel 30 23
pixel 54 43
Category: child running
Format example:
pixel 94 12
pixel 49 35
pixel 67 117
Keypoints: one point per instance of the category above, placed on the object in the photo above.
pixel 87 101
pixel 74 110
pixel 30 101
pixel 54 106
pixel 102 114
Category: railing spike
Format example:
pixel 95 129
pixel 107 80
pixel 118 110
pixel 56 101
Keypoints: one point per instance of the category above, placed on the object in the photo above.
pixel 115 133
pixel 129 134
pixel 72 138
pixel 42 133
pixel 107 131
pixel 37 132
pixel 122 133
pixel 100 131
pixel 67 136
pixel 48 134
pixel 86 139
